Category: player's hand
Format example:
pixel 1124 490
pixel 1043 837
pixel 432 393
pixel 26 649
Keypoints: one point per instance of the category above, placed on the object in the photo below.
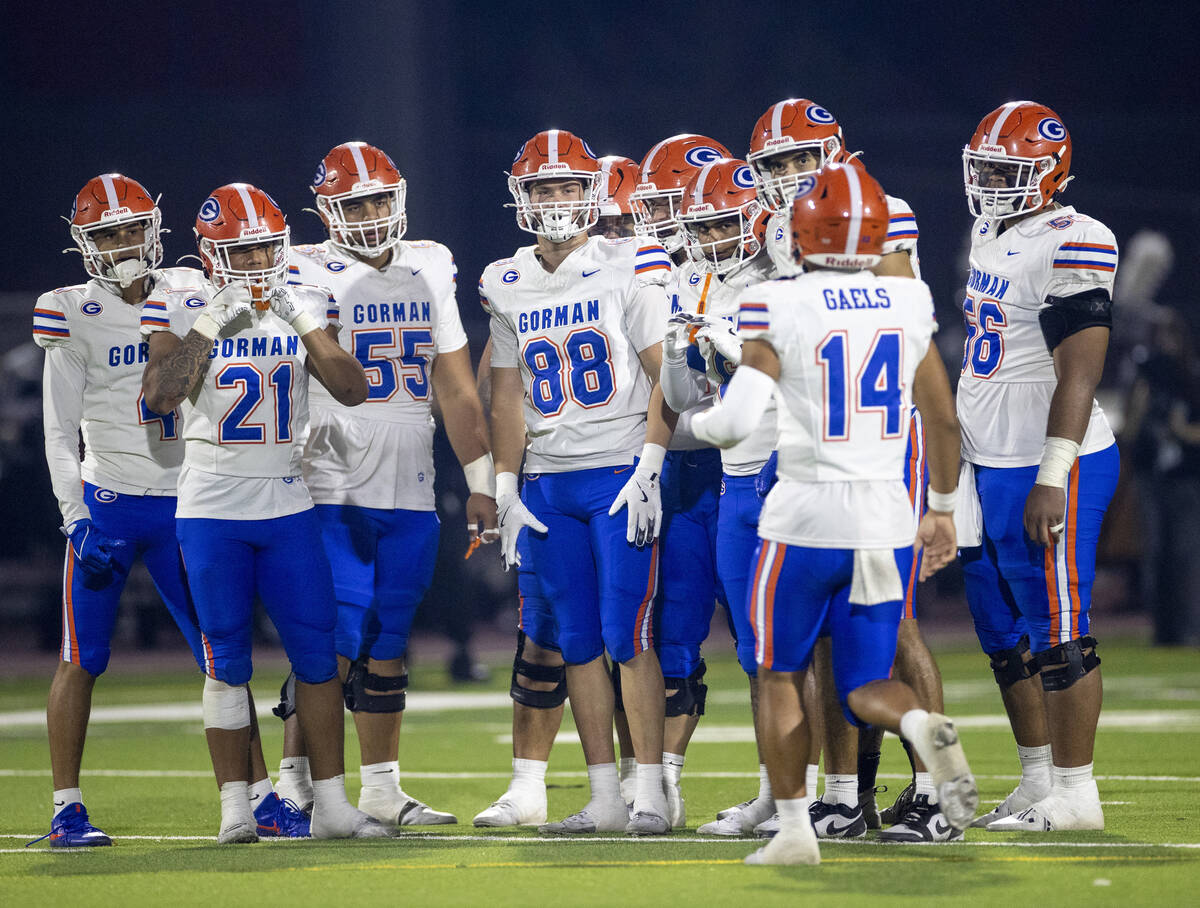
pixel 676 341
pixel 95 552
pixel 719 337
pixel 766 478
pixel 1045 514
pixel 512 515
pixel 939 540
pixel 228 304
pixel 286 305
pixel 481 512
pixel 641 496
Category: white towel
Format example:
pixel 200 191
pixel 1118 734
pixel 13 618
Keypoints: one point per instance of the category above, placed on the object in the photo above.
pixel 968 513
pixel 876 577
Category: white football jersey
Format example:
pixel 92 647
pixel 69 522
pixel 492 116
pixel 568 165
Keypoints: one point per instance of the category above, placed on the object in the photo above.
pixel 703 293
pixel 395 321
pixel 848 347
pixel 247 417
pixel 902 236
pixel 95 356
pixel 1007 372
pixel 575 336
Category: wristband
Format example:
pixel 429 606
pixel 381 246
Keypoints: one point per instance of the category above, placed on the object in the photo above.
pixel 1058 456
pixel 207 326
pixel 303 323
pixel 941 501
pixel 651 459
pixel 481 476
pixel 506 484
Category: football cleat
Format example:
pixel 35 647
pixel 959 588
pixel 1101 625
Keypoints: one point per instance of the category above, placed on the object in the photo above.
pixel 768 827
pixel 238 832
pixel 589 820
pixel 870 810
pixel 796 846
pixel 1057 812
pixel 70 828
pixel 347 823
pixel 890 816
pixel 938 747
pixel 280 818
pixel 646 822
pixel 837 821
pixel 676 809
pixel 740 819
pixel 922 822
pixel 1018 799
pixel 392 805
pixel 514 809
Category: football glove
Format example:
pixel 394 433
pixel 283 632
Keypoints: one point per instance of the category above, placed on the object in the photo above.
pixel 721 348
pixel 512 515
pixel 228 304
pixel 676 342
pixel 641 496
pixel 286 305
pixel 95 552
pixel 766 478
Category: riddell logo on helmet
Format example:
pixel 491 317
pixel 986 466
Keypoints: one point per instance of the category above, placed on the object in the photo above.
pixel 554 168
pixel 834 261
pixel 114 213
pixel 368 184
pixel 248 232
pixel 993 149
pixel 702 208
pixel 778 142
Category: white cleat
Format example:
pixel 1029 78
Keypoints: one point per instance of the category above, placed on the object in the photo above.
pixel 238 832
pixel 796 846
pixel 395 807
pixel 1018 799
pixel 769 827
pixel 727 826
pixel 613 818
pixel 645 822
pixel 939 749
pixel 514 809
pixel 1057 812
pixel 676 809
pixel 740 819
pixel 348 823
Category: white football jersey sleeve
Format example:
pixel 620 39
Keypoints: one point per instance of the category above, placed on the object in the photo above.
pixel 848 347
pixel 1008 375
pixel 575 336
pixel 95 356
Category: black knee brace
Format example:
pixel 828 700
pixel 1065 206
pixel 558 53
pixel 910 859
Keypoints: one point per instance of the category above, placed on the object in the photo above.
pixel 689 693
pixel 361 687
pixel 1009 665
pixel 1066 663
pixel 549 674
pixel 287 698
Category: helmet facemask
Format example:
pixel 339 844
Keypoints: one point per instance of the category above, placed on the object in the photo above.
pixel 648 202
pixel 722 255
pixel 1022 178
pixel 260 281
pixel 778 189
pixel 560 220
pixel 126 264
pixel 367 238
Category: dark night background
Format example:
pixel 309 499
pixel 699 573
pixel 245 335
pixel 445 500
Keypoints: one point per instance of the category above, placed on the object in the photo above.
pixel 185 97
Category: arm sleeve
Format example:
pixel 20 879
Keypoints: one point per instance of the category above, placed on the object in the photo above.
pixel 740 411
pixel 63 380
pixel 683 387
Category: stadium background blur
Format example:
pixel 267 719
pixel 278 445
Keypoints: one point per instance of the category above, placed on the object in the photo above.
pixel 187 97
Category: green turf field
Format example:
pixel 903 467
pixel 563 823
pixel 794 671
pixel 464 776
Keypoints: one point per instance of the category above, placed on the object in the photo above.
pixel 147 783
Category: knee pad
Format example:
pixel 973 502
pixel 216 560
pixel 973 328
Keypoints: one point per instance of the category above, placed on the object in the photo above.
pixel 686 696
pixel 226 706
pixel 1009 665
pixel 1064 664
pixel 287 698
pixel 548 674
pixel 361 689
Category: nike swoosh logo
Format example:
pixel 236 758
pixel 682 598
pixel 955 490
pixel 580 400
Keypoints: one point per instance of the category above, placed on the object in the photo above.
pixel 644 498
pixel 590 273
pixel 1012 253
pixel 940 828
pixel 832 830
pixel 417 271
pixel 623 470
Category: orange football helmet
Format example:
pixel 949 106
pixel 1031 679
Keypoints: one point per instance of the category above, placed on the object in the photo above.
pixel 788 127
pixel 111 200
pixel 555 154
pixel 354 170
pixel 722 193
pixel 1018 159
pixel 618 176
pixel 239 214
pixel 839 219
pixel 665 171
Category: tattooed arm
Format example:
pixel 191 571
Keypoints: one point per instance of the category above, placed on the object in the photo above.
pixel 174 367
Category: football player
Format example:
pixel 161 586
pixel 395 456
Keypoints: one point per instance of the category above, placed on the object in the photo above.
pixel 119 503
pixel 577 326
pixel 618 176
pixel 235 350
pixel 370 468
pixel 841 347
pixel 1041 460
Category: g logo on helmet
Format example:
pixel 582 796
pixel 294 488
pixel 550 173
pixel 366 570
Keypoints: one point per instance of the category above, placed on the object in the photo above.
pixel 210 210
pixel 701 155
pixel 1051 129
pixel 195 302
pixel 744 178
pixel 106 495
pixel 91 307
pixel 319 176
pixel 819 115
pixel 805 186
pixel 511 276
pixel 335 267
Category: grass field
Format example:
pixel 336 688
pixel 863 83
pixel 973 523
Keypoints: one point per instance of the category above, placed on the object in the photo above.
pixel 147 783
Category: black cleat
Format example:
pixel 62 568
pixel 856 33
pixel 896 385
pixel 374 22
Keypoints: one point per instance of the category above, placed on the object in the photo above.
pixel 837 821
pixel 922 822
pixel 890 816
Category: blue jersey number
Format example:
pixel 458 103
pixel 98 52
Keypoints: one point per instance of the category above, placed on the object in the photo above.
pixel 983 350
pixel 167 424
pixel 388 360
pixel 580 370
pixel 877 385
pixel 234 427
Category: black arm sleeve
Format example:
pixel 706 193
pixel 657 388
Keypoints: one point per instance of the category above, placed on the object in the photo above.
pixel 1067 315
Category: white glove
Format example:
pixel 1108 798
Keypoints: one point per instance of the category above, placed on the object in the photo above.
pixel 285 304
pixel 721 348
pixel 676 342
pixel 228 304
pixel 641 496
pixel 512 515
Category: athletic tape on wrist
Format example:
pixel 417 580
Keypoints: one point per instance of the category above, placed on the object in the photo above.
pixel 481 476
pixel 1058 456
pixel 303 323
pixel 207 326
pixel 506 484
pixel 651 459
pixel 941 501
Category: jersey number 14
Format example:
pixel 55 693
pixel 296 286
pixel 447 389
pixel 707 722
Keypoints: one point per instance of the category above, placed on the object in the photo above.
pixel 876 385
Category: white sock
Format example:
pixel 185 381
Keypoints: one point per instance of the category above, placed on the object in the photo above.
pixel 650 795
pixel 259 790
pixel 329 795
pixel 529 775
pixel 1069 777
pixel 1035 766
pixel 65 796
pixel 923 782
pixel 235 804
pixel 672 768
pixel 628 768
pixel 793 812
pixel 841 788
pixel 764 783
pixel 606 784
pixel 380 775
pixel 911 725
pixel 810 781
pixel 295 780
